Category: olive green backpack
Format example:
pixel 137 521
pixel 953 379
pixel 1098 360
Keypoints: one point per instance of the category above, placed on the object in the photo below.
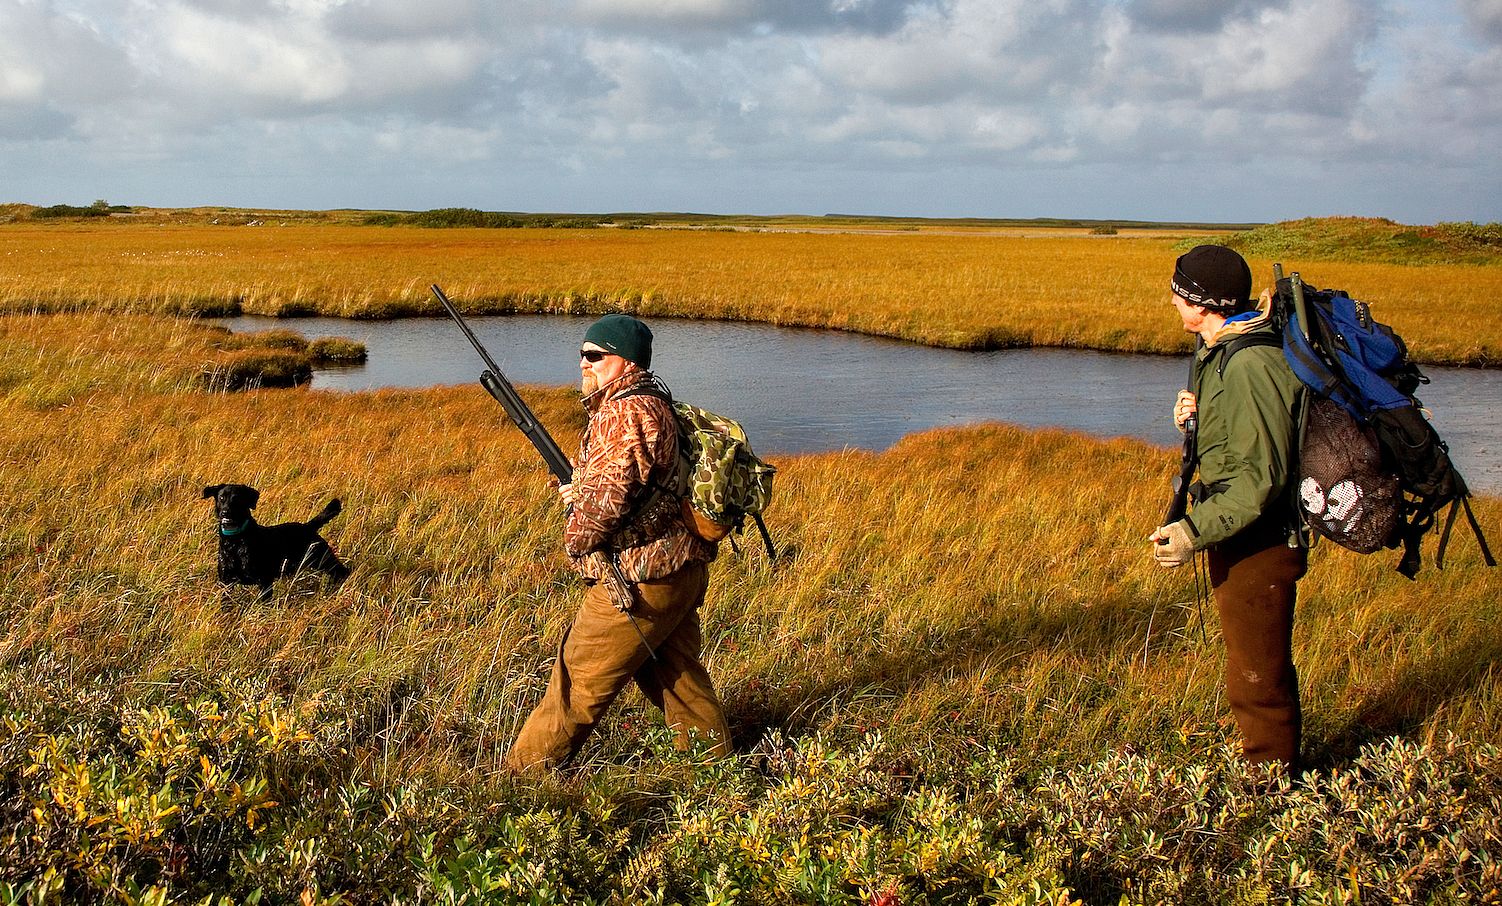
pixel 721 482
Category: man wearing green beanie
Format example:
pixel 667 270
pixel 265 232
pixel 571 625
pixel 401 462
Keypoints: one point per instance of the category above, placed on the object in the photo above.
pixel 623 503
pixel 624 336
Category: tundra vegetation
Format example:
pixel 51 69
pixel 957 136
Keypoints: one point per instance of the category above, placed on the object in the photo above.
pixel 967 682
pixel 964 285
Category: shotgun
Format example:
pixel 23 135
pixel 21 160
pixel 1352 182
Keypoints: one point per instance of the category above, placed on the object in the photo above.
pixel 496 385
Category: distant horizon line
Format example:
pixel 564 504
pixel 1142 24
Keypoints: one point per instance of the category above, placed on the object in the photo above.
pixel 1055 221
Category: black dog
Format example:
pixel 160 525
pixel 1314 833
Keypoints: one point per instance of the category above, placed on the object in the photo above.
pixel 255 554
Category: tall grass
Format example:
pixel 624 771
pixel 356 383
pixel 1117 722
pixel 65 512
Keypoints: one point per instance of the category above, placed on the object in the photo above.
pixel 982 572
pixel 962 289
pixel 981 597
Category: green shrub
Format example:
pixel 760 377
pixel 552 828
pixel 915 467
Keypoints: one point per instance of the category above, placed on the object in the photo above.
pixel 461 217
pixel 99 208
pixel 68 210
pixel 336 350
pixel 222 788
pixel 471 217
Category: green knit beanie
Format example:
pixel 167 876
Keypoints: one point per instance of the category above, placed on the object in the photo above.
pixel 623 335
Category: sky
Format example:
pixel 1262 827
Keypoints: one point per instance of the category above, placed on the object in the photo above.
pixel 1199 110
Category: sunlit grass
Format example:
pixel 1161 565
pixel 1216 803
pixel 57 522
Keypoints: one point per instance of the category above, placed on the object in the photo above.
pixel 987 572
pixel 966 289
pixel 982 597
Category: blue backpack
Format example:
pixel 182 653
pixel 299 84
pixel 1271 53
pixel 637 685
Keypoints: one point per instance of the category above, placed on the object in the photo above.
pixel 1372 472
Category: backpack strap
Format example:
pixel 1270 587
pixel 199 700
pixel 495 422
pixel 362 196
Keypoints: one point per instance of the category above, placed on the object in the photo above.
pixel 1444 538
pixel 1244 341
pixel 766 537
pixel 658 390
pixel 1298 530
pixel 655 388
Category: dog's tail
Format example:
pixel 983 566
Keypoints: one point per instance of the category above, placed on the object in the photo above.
pixel 329 512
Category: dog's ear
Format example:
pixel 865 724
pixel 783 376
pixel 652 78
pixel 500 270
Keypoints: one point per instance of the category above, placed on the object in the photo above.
pixel 254 497
pixel 211 490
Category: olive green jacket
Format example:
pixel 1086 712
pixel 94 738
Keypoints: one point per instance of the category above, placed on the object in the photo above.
pixel 1248 407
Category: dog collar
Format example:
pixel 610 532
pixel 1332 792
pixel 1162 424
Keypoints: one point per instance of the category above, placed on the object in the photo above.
pixel 243 527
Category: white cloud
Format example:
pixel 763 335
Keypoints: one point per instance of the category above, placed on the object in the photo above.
pixel 697 96
pixel 666 10
pixel 404 140
pixel 1485 16
pixel 48 54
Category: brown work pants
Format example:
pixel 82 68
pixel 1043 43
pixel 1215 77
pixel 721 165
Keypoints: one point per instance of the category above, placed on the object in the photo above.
pixel 601 653
pixel 1255 578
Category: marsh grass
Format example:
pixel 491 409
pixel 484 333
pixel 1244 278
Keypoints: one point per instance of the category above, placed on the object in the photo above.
pixel 982 598
pixel 969 290
pixel 51 362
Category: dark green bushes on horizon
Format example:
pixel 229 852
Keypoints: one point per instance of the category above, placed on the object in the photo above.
pixel 470 217
pixel 100 208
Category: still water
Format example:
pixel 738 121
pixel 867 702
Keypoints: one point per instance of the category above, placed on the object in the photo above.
pixel 808 390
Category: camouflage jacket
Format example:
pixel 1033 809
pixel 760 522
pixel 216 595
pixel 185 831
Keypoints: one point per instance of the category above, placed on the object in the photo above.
pixel 629 449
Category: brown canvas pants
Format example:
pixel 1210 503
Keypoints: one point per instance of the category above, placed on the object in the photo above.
pixel 601 653
pixel 1255 581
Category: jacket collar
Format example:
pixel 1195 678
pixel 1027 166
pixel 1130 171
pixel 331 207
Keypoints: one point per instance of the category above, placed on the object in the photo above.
pixel 626 383
pixel 1244 323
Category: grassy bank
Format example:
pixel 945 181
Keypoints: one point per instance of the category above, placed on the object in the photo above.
pixel 964 288
pixel 1047 720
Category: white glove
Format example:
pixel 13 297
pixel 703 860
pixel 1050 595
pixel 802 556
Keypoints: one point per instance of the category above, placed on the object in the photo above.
pixel 1183 407
pixel 1171 545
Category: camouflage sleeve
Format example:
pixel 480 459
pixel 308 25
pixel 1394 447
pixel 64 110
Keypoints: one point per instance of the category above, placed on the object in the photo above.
pixel 624 439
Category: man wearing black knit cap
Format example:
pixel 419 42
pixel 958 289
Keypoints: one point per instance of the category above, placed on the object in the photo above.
pixel 1246 400
pixel 622 504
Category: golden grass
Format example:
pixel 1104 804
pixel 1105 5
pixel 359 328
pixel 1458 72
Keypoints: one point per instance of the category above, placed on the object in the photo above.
pixel 969 289
pixel 980 585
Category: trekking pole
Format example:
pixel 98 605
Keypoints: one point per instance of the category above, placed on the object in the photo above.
pixel 521 414
pixel 1183 483
pixel 1178 504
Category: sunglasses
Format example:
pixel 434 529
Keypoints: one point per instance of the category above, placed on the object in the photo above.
pixel 593 355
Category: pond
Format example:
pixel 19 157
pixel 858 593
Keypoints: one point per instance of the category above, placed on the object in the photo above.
pixel 802 391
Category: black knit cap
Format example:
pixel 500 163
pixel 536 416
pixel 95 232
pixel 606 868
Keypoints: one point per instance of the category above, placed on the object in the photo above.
pixel 1213 277
pixel 623 335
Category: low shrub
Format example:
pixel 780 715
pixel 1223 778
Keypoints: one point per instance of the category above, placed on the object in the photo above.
pixel 1368 239
pixel 99 208
pixel 250 369
pixel 471 217
pixel 1470 234
pixel 224 789
pixel 336 350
